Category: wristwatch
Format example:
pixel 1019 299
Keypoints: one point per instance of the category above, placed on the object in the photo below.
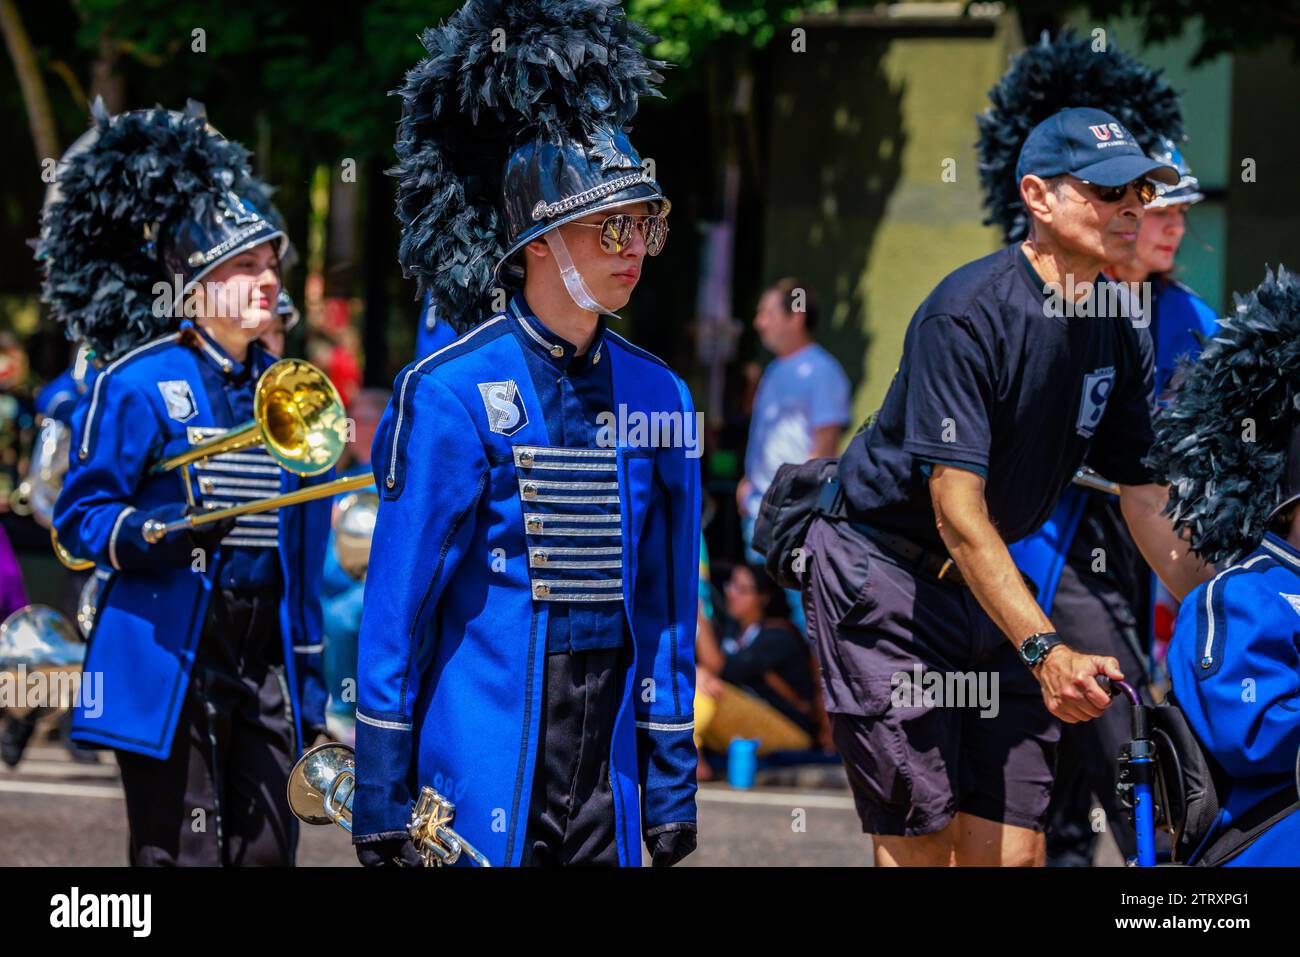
pixel 1035 648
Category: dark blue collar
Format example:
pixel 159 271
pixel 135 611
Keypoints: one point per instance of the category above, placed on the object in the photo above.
pixel 559 352
pixel 220 358
pixel 1281 550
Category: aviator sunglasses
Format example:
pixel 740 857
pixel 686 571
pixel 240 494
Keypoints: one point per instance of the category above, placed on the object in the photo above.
pixel 1145 189
pixel 616 232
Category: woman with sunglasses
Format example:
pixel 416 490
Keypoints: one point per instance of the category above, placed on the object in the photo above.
pixel 531 651
pixel 206 652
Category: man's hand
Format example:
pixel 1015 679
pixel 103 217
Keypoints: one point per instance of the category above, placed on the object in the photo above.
pixel 1069 683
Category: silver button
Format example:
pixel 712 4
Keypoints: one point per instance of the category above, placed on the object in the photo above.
pixel 1206 662
pixel 557 351
pixel 534 524
pixel 206 484
pixel 596 358
pixel 539 557
pixel 530 490
pixel 541 591
pixel 390 483
pixel 526 457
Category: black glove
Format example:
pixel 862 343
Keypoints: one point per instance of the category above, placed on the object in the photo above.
pixel 135 552
pixel 209 536
pixel 389 852
pixel 313 733
pixel 669 847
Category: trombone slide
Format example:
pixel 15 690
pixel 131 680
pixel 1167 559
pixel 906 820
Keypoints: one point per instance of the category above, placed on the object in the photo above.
pixel 155 531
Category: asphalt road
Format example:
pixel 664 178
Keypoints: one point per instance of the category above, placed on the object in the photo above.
pixel 54 811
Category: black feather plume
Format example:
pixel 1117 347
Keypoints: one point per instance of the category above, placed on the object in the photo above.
pixel 495 70
pixel 1057 75
pixel 1222 442
pixel 143 170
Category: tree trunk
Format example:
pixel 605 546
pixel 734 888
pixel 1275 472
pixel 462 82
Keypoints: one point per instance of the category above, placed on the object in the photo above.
pixel 105 81
pixel 35 98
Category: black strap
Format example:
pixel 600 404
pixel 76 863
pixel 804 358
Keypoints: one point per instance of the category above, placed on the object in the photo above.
pixel 830 501
pixel 1249 828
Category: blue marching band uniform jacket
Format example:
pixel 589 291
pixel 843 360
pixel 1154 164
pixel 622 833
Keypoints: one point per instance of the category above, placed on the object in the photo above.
pixel 1235 665
pixel 1178 313
pixel 486 525
pixel 154 402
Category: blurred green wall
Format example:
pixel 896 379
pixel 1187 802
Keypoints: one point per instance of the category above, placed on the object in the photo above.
pixel 864 120
pixel 864 126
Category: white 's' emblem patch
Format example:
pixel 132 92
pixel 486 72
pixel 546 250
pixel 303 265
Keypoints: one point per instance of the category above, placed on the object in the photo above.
pixel 505 409
pixel 1092 402
pixel 180 399
pixel 1293 600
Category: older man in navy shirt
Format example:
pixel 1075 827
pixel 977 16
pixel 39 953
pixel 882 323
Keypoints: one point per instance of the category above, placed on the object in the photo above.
pixel 1017 369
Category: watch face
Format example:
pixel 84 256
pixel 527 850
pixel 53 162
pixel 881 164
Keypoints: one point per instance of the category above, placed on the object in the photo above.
pixel 1033 649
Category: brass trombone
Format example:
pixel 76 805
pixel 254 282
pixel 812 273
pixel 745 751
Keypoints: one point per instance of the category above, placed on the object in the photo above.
pixel 297 415
pixel 320 791
pixel 155 531
pixel 1087 478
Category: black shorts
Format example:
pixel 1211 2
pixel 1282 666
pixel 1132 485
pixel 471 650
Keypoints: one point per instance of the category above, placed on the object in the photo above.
pixel 931 708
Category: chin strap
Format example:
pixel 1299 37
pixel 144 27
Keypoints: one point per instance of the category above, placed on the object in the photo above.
pixel 573 281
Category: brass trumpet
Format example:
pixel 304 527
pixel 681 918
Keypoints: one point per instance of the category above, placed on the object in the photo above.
pixel 320 791
pixel 297 415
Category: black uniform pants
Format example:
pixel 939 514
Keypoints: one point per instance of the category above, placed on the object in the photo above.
pixel 219 797
pixel 1098 613
pixel 571 812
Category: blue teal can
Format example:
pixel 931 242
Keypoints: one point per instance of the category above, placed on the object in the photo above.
pixel 742 762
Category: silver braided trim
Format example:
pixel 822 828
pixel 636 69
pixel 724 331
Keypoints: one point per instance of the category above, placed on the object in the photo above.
pixel 545 210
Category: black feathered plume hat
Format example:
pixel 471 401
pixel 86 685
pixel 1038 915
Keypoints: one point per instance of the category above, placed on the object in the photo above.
pixel 1227 442
pixel 1047 78
pixel 138 199
pixel 512 125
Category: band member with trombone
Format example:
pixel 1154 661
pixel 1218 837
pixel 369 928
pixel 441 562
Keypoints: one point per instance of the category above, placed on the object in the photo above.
pixel 526 644
pixel 208 633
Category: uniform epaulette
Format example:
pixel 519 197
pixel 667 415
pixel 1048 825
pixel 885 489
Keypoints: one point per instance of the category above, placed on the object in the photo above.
pixel 407 380
pixel 637 350
pixel 97 389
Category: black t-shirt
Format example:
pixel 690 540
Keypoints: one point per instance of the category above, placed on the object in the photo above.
pixel 779 649
pixel 994 380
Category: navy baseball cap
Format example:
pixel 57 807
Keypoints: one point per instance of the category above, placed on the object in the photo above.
pixel 1092 145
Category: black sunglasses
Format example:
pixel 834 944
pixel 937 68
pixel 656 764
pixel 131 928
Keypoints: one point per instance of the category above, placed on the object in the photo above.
pixel 1145 189
pixel 616 232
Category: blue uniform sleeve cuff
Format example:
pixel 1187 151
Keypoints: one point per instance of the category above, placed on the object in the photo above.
pixel 381 803
pixel 668 759
pixel 127 548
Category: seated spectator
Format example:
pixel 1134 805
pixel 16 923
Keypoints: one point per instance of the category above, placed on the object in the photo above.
pixel 758 683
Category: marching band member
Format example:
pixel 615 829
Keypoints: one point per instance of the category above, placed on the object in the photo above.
pixel 207 641
pixel 1230 444
pixel 530 653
